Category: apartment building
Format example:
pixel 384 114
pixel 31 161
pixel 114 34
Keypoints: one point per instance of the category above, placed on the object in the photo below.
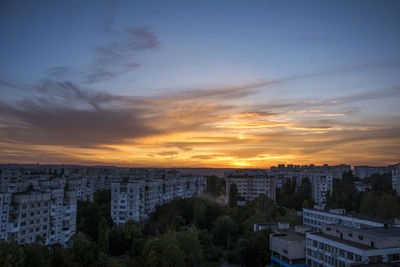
pixel 363 172
pixel 288 246
pixel 251 185
pixel 84 187
pixel 396 178
pixel 314 219
pixel 322 186
pixel 306 170
pixel 5 200
pixel 342 246
pixel 50 215
pixel 362 187
pixel 134 198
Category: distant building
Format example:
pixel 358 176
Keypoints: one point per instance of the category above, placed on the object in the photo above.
pixel 322 186
pixel 363 172
pixel 361 187
pixel 339 245
pixel 134 198
pixel 251 184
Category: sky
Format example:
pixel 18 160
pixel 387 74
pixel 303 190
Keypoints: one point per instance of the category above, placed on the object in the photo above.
pixel 240 84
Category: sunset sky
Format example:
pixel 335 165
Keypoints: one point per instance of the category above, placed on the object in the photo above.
pixel 200 83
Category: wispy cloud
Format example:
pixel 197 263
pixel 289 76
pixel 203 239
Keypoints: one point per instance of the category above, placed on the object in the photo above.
pixel 113 59
pixel 206 126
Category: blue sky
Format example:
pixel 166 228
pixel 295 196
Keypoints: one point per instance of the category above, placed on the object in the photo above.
pixel 283 53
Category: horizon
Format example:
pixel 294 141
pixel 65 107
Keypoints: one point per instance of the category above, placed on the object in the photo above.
pixel 220 85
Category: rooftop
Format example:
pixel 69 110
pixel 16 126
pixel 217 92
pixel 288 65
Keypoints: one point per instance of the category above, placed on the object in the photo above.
pixel 289 235
pixel 355 215
pixel 342 241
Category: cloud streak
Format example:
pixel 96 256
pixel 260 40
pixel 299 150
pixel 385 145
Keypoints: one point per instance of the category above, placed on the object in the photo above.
pixel 113 59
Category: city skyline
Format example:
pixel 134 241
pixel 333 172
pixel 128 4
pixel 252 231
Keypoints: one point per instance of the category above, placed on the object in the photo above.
pixel 200 84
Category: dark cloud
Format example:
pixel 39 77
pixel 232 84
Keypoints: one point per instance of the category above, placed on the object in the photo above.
pixel 64 114
pixel 61 113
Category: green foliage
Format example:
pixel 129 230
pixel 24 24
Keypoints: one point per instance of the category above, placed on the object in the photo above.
pixel 225 229
pixel 172 256
pixel 384 205
pixel 103 233
pixel 189 243
pixel 344 194
pixel 89 214
pixel 255 250
pixel 293 196
pixel 215 186
pixel 380 183
pixel 11 255
pixel 233 195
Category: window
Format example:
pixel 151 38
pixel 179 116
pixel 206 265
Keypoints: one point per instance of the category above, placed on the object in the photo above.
pixel 360 237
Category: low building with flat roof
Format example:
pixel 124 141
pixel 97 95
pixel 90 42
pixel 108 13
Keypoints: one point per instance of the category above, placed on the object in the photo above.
pixel 339 245
pixel 313 219
pixel 288 246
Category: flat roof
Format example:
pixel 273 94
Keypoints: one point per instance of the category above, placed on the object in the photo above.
pixel 289 235
pixel 355 215
pixel 381 232
pixel 342 241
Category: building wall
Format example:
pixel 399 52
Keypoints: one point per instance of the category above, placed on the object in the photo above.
pixel 134 199
pixel 314 219
pixel 251 187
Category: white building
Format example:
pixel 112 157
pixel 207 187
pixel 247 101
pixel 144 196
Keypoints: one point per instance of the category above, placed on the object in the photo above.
pixel 322 185
pixel 50 215
pixel 314 219
pixel 84 187
pixel 342 246
pixel 251 185
pixel 134 199
pixel 5 200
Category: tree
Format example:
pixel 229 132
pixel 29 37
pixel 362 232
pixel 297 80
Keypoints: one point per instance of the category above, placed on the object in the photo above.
pixel 178 223
pixel 37 254
pixel 189 243
pixel 224 229
pixel 11 254
pixel 152 259
pixel 233 195
pixel 102 235
pixel 172 256
pixel 84 251
pixel 152 252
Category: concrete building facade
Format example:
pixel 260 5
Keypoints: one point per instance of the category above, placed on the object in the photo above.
pixel 314 219
pixel 342 246
pixel 250 187
pixel 134 199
